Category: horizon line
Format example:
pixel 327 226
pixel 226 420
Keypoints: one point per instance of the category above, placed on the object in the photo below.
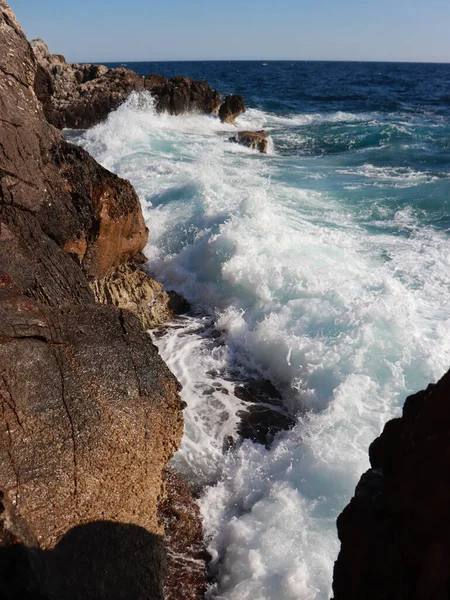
pixel 262 60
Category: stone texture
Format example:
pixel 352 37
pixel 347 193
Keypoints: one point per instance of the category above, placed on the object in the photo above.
pixel 187 557
pixel 131 288
pixel 79 96
pixel 89 413
pixel 232 107
pixel 257 140
pixel 395 533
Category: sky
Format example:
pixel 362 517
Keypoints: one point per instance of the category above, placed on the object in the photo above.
pixel 140 30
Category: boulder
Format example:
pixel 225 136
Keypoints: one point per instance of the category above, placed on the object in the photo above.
pixel 232 107
pixel 395 533
pixel 257 140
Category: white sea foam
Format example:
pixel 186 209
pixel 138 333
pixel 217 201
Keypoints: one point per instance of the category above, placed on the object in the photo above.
pixel 345 321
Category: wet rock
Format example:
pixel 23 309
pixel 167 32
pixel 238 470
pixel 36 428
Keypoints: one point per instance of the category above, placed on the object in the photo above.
pixel 187 557
pixel 181 95
pixel 265 415
pixel 79 96
pixel 395 533
pixel 257 140
pixel 232 107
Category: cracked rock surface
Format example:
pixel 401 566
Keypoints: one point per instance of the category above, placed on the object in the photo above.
pixel 89 413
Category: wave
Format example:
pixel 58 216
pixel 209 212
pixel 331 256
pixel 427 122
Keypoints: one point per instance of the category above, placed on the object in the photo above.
pixel 297 281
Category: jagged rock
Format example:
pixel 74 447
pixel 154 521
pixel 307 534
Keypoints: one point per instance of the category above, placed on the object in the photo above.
pixel 130 288
pixel 395 533
pixel 89 412
pixel 187 556
pixel 232 107
pixel 79 96
pixel 258 140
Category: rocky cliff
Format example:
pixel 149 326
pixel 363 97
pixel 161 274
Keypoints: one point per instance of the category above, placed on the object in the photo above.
pixel 89 413
pixel 395 533
pixel 79 96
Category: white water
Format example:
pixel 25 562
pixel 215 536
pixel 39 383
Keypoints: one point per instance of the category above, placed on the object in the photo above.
pixel 345 321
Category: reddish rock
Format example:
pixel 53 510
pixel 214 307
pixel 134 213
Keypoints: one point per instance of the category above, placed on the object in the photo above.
pixel 395 533
pixel 232 107
pixel 257 140
pixel 187 557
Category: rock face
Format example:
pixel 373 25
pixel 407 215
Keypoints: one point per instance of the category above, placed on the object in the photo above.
pixel 89 412
pixel 395 533
pixel 258 140
pixel 79 96
pixel 232 107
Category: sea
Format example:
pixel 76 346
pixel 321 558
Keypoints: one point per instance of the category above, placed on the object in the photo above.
pixel 318 277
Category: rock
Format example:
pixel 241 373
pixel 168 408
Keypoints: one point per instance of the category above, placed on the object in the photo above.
pixel 395 533
pixel 187 557
pixel 96 560
pixel 265 414
pixel 79 96
pixel 258 140
pixel 132 289
pixel 232 107
pixel 181 95
pixel 89 413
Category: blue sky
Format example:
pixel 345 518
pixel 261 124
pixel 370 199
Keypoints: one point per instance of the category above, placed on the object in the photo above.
pixel 118 30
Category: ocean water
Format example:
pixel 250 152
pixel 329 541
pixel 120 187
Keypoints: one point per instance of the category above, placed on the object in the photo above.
pixel 323 267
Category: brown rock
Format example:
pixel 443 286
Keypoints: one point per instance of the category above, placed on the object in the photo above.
pixel 232 107
pixel 79 96
pixel 395 533
pixel 89 412
pixel 187 557
pixel 258 140
pixel 130 288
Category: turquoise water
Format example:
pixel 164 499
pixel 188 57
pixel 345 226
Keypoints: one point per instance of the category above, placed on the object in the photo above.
pixel 323 267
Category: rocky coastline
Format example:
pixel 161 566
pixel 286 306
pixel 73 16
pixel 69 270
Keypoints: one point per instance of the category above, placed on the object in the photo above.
pixel 90 414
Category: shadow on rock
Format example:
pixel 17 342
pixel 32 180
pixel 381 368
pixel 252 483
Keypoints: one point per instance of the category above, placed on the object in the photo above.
pixel 99 560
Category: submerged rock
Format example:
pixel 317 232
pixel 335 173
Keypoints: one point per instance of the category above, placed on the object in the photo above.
pixel 232 107
pixel 257 140
pixel 395 533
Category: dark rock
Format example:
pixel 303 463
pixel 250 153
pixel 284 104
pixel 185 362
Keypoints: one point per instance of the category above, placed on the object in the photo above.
pixel 177 304
pixel 265 415
pixel 395 533
pixel 257 140
pixel 79 96
pixel 187 557
pixel 232 107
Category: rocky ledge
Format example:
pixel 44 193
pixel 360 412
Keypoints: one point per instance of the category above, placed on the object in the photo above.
pixel 79 96
pixel 89 413
pixel 395 533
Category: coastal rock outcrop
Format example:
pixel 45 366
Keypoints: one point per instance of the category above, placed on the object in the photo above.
pixel 232 107
pixel 79 96
pixel 90 414
pixel 395 533
pixel 257 140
